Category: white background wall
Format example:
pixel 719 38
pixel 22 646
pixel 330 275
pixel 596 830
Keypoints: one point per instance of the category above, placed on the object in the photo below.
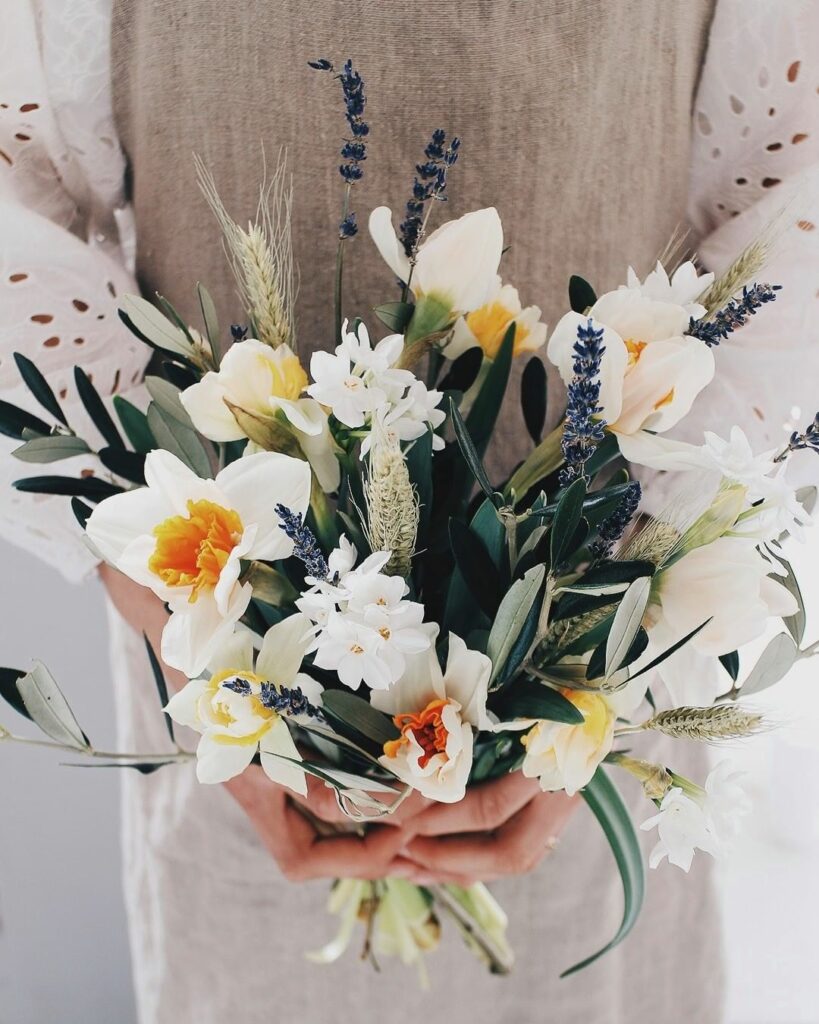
pixel 63 948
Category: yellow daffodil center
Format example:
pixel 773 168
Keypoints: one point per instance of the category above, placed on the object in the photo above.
pixel 288 378
pixel 596 713
pixel 222 703
pixel 489 324
pixel 635 350
pixel 192 550
pixel 427 728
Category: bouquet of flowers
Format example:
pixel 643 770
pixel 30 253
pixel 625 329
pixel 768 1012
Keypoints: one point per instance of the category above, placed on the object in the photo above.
pixel 354 597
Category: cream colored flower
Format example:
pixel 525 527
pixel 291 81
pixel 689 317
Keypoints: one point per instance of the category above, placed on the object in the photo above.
pixel 234 709
pixel 185 539
pixel 487 326
pixel 457 264
pixel 436 713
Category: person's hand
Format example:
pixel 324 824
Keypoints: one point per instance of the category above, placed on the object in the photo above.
pixel 303 851
pixel 504 827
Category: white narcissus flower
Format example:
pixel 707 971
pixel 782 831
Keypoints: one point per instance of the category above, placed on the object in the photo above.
pixel 650 371
pixel 185 538
pixel 683 288
pixel 363 627
pixel 263 381
pixel 457 265
pixel 564 756
pixel 727 582
pixel 437 713
pixel 234 710
pixel 691 818
pixel 486 326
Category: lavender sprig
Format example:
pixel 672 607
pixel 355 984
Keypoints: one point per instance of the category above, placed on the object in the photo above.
pixel 581 431
pixel 736 314
pixel 806 440
pixel 283 700
pixel 354 150
pixel 429 185
pixel 306 547
pixel 614 526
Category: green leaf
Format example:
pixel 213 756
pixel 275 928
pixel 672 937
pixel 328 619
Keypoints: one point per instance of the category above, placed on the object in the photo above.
pixel 774 664
pixel 51 449
pixel 603 454
pixel 146 321
pixel 81 487
pixel 82 512
pixel 567 518
pixel 626 625
pixel 49 709
pixel 166 396
pixel 270 586
pixel 360 715
pixel 730 662
pixel 512 614
pixel 581 294
pixel 796 623
pixel 39 387
pixel 464 371
pixel 419 467
pixel 179 440
pixel 607 806
pixel 209 317
pixel 533 398
pixel 480 421
pixel 9 691
pixel 161 685
pixel 476 566
pixel 128 465
pixel 673 650
pixel 395 315
pixel 135 424
pixel 531 699
pixel 14 421
pixel 461 603
pixel 94 406
pixel 602 575
pixel 473 460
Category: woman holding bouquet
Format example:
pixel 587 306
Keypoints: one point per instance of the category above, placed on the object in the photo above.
pixel 576 121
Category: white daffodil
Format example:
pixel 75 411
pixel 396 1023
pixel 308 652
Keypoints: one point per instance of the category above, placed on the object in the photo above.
pixel 683 288
pixel 486 326
pixel 772 507
pixel 437 713
pixel 564 756
pixel 650 372
pixel 726 582
pixel 185 538
pixel 363 627
pixel 691 818
pixel 264 383
pixel 410 418
pixel 456 266
pixel 244 708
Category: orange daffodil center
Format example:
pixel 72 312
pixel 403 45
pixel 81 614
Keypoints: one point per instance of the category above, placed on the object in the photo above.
pixel 192 550
pixel 426 727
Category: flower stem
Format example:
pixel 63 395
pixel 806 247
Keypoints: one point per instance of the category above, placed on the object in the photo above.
pixel 104 755
pixel 345 208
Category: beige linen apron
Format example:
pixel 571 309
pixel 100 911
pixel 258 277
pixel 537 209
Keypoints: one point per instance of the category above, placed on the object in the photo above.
pixel 574 116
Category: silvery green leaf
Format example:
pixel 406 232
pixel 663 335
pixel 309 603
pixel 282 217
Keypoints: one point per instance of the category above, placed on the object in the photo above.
pixel 211 320
pixel 171 435
pixel 351 781
pixel 796 623
pixel 157 328
pixel 593 589
pixel 51 449
pixel 531 541
pixel 166 396
pixel 512 614
pixel 48 707
pixel 806 496
pixel 774 664
pixel 627 620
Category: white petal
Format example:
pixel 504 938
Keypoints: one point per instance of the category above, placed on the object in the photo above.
pixel 235 654
pixel 254 485
pixel 560 351
pixel 467 680
pixel 121 519
pixel 183 704
pixel 283 649
pixel 276 744
pixel 171 478
pixel 204 403
pixel 219 761
pixel 388 243
pixel 305 414
pixel 658 452
pixel 192 636
pixel 420 682
pixel 459 262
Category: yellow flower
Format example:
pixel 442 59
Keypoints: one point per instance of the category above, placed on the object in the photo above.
pixel 487 326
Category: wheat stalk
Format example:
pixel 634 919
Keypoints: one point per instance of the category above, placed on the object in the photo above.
pixel 261 257
pixel 393 511
pixel 721 722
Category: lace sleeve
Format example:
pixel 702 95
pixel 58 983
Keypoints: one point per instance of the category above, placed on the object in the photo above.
pixel 756 170
pixel 62 258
